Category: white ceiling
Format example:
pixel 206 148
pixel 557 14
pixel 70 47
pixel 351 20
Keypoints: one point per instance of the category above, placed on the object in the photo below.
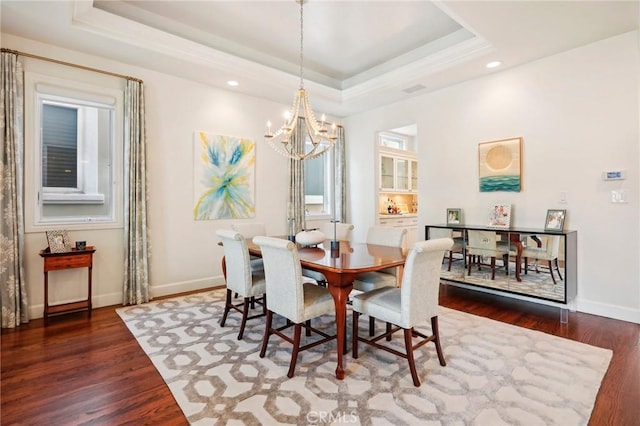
pixel 357 54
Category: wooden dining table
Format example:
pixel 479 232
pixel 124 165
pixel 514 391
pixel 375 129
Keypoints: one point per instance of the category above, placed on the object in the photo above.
pixel 340 268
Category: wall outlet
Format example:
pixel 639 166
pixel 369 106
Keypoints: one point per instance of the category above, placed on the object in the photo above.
pixel 563 197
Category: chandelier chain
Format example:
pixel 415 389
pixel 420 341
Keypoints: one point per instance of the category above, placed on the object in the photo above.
pixel 301 45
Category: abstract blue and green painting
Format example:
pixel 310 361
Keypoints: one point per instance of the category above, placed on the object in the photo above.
pixel 223 177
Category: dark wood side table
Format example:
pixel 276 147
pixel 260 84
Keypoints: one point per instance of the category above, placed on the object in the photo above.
pixel 67 260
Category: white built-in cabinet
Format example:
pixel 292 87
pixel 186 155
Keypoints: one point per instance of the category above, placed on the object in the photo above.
pixel 398 183
pixel 398 173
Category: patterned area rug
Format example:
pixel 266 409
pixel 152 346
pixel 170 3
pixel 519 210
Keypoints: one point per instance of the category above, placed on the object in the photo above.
pixel 496 374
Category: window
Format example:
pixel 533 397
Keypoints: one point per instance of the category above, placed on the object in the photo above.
pixel 76 164
pixel 318 185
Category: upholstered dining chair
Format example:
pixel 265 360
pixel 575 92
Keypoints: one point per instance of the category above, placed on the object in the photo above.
pixel 343 230
pixel 548 251
pixel 485 243
pixel 290 297
pixel 250 230
pixel 343 233
pixel 367 281
pixel 458 243
pixel 383 236
pixel 409 306
pixel 241 278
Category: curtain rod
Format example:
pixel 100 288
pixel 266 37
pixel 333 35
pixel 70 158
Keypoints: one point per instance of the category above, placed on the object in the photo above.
pixel 82 67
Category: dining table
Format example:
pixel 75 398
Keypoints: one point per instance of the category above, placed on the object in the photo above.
pixel 340 267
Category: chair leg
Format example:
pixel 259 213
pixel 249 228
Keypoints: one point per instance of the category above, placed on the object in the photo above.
pixel 267 333
pixel 450 260
pixel 245 315
pixel 551 272
pixel 526 265
pixel 372 326
pixel 388 332
pixel 558 269
pixel 436 340
pixel 493 267
pixel 408 344
pixel 227 307
pixel 297 331
pixel 354 335
pixel 308 328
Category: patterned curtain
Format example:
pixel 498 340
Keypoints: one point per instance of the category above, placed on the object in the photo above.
pixel 341 176
pixel 295 208
pixel 136 263
pixel 13 292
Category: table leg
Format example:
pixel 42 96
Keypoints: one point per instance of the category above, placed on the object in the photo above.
pixel 340 295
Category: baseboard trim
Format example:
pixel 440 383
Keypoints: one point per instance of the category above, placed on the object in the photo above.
pixel 114 299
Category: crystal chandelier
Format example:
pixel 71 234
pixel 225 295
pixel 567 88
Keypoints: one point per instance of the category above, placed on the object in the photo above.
pixel 321 138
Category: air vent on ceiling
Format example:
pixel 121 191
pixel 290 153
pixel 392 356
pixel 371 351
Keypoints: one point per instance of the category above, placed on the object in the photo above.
pixel 415 88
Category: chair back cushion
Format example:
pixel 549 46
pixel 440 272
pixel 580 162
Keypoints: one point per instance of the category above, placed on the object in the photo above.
pixel 342 230
pixel 386 236
pixel 249 229
pixel 421 281
pixel 283 274
pixel 482 243
pixel 238 268
pixel 553 246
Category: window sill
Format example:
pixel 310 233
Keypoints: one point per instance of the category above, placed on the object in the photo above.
pixel 51 198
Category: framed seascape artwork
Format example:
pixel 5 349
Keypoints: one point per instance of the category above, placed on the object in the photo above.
pixel 454 216
pixel 500 216
pixel 555 220
pixel 58 241
pixel 224 177
pixel 500 165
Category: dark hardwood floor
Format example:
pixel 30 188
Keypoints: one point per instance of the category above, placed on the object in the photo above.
pixel 92 371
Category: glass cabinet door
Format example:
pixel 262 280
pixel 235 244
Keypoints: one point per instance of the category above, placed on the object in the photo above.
pixel 386 173
pixel 414 175
pixel 402 171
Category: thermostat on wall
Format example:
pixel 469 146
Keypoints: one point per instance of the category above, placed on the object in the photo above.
pixel 614 175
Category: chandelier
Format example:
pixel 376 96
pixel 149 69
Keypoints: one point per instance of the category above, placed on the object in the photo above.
pixel 301 120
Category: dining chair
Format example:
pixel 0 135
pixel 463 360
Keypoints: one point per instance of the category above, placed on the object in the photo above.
pixel 485 243
pixel 458 243
pixel 342 230
pixel 343 233
pixel 291 297
pixel 409 306
pixel 367 281
pixel 241 278
pixel 548 250
pixel 250 230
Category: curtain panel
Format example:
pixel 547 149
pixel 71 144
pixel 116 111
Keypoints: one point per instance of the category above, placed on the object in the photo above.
pixel 136 230
pixel 13 293
pixel 296 207
pixel 341 176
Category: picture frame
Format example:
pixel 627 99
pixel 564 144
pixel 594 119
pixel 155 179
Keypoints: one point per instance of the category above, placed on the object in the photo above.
pixel 58 241
pixel 500 216
pixel 500 165
pixel 554 220
pixel 454 216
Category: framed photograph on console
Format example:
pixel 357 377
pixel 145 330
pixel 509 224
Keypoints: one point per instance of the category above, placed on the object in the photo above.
pixel 500 216
pixel 454 216
pixel 555 220
pixel 58 241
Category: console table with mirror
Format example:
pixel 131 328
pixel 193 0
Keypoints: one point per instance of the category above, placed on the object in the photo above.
pixel 539 264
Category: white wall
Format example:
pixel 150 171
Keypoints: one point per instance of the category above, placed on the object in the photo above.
pixel 184 252
pixel 578 114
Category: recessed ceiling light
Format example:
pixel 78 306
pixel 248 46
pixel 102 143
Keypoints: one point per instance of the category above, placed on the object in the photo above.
pixel 232 83
pixel 494 64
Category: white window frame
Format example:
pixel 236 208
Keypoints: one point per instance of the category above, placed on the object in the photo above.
pixel 43 88
pixel 329 189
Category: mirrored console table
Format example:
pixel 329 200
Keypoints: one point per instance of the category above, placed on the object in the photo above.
pixel 551 277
